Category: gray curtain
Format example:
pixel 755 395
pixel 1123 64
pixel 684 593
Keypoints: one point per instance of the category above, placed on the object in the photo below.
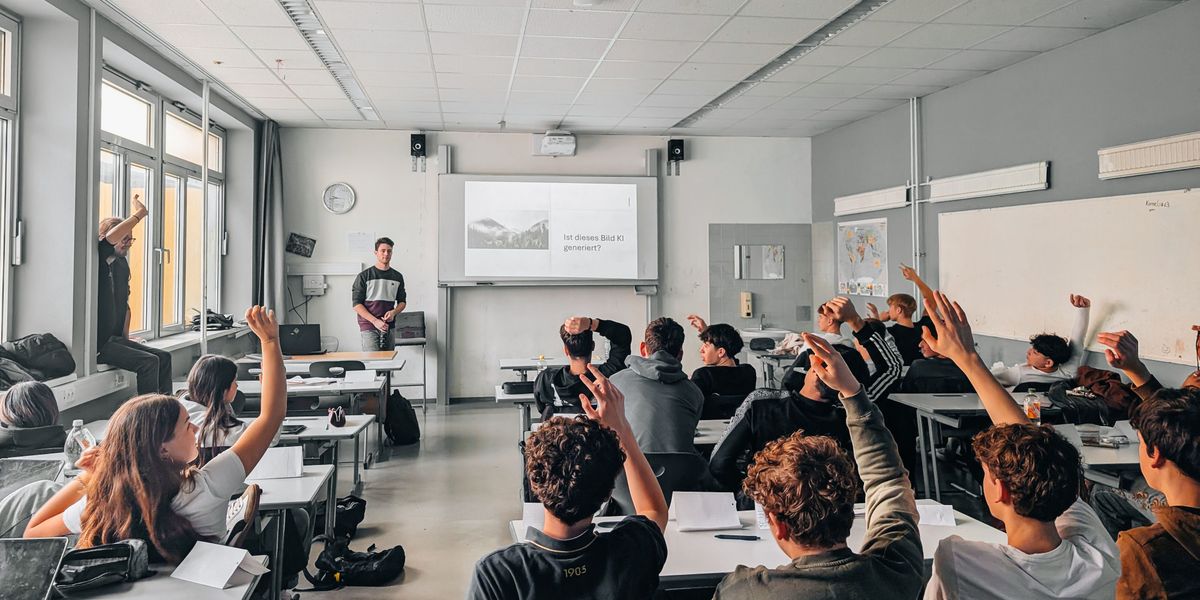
pixel 269 240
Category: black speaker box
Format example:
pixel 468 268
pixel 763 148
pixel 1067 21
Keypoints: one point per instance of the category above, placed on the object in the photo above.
pixel 675 150
pixel 416 145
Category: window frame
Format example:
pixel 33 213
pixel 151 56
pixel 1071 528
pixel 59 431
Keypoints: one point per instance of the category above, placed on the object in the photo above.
pixel 9 155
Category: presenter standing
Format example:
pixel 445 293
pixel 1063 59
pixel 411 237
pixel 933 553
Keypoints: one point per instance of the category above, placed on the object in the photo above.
pixel 378 295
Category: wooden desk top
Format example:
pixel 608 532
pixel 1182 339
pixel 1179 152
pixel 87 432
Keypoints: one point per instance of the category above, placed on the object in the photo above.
pixel 363 356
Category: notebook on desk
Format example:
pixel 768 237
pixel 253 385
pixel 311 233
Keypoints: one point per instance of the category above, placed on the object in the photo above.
pixel 29 567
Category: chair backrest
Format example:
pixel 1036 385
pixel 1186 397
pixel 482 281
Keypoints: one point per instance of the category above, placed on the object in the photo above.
pixel 675 471
pixel 249 371
pixel 1033 386
pixel 410 324
pixel 334 368
pixel 721 406
pixel 239 517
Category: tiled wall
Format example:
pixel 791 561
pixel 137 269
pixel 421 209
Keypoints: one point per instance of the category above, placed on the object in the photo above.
pixel 787 302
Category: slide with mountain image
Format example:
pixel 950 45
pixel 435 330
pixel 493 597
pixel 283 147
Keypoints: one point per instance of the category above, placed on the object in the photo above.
pixel 505 230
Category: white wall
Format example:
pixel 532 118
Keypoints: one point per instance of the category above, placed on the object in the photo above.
pixel 724 180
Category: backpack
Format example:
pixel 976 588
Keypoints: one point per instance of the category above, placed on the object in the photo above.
pixel 350 512
pixel 401 425
pixel 339 566
pixel 12 373
pixel 41 354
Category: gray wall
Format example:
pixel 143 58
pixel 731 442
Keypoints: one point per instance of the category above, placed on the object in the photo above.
pixel 781 300
pixel 1134 82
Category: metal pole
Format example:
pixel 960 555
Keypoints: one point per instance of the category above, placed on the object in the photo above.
pixel 204 231
pixel 914 146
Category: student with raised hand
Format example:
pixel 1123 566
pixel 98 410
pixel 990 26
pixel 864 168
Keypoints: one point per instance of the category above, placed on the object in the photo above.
pixel 807 486
pixel 721 373
pixel 1050 358
pixel 212 388
pixel 873 336
pixel 1057 547
pixel 579 342
pixel 901 309
pixel 572 464
pixel 141 485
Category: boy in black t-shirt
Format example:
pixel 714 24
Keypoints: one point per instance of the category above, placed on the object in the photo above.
pixel 901 308
pixel 721 374
pixel 572 464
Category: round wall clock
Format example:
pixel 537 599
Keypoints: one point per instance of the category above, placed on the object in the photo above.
pixel 338 198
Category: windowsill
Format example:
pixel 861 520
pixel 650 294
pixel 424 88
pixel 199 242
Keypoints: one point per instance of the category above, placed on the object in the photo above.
pixel 186 339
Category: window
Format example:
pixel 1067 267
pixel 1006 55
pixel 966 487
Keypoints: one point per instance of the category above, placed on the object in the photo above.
pixel 9 66
pixel 167 258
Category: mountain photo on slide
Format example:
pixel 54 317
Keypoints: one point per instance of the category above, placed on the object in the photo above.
pixel 490 234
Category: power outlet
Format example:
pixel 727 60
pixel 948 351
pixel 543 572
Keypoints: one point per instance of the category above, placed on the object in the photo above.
pixel 68 394
pixel 118 380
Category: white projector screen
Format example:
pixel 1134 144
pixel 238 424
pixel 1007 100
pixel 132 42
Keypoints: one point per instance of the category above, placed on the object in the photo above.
pixel 547 229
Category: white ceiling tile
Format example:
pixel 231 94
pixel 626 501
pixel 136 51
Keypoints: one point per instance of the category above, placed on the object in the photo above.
pixel 339 115
pixel 366 40
pixel 563 67
pixel 767 30
pixel 306 77
pixel 691 7
pixel 903 57
pixel 463 80
pixel 1008 12
pixel 775 89
pixel 914 11
pixel 870 32
pixel 599 110
pixel 478 45
pixel 647 122
pixel 875 104
pixel 235 75
pixel 806 9
pixel 389 61
pixel 592 123
pixel 280 114
pixel 942 35
pixel 457 108
pixel 982 60
pixel 540 97
pixel 472 118
pixel 409 116
pixel 473 94
pixel 1101 14
pixel 409 106
pixel 271 38
pixel 264 13
pixel 841 115
pixel 651 50
pixel 199 36
pixel 474 19
pixel 383 92
pixel 548 84
pixel 321 104
pixel 516 3
pixel 802 73
pixel 733 114
pixel 228 57
pixel 676 86
pixel 370 15
pixel 395 78
pixel 714 71
pixel 746 101
pixel 653 26
pixel 621 86
pixel 1035 39
pixel 157 12
pixel 676 101
pixel 874 75
pixel 457 63
pixel 635 69
pixel 901 91
pixel 938 77
pixel 833 56
pixel 610 98
pixel 798 103
pixel 661 112
pixel 318 91
pixel 619 5
pixel 524 111
pixel 574 23
pixel 291 59
pixel 563 47
pixel 262 90
pixel 722 52
pixel 270 104
pixel 834 90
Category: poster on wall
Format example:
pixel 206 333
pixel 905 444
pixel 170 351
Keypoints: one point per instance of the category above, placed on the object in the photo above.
pixel 862 258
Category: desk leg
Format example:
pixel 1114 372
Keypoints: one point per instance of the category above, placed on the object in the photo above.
pixel 357 479
pixel 921 453
pixel 525 420
pixel 932 439
pixel 277 556
pixel 331 504
pixel 769 371
pixel 337 455
pixel 523 375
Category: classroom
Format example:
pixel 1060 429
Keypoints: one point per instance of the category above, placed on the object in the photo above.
pixel 782 299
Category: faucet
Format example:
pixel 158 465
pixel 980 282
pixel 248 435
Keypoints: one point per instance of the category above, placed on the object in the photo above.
pixel 762 321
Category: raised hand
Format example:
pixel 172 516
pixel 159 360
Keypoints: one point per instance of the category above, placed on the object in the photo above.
pixel 830 367
pixel 139 209
pixel 843 309
pixel 577 325
pixel 873 312
pixel 954 339
pixel 1080 301
pixel 1122 350
pixel 610 402
pixel 697 322
pixel 262 322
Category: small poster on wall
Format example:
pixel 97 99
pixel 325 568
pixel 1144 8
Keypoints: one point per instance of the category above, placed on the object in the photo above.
pixel 862 258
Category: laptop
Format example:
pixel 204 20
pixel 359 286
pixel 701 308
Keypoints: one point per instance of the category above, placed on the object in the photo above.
pixel 16 473
pixel 29 567
pixel 298 340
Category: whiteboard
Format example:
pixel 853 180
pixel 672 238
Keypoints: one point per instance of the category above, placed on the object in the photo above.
pixel 1137 257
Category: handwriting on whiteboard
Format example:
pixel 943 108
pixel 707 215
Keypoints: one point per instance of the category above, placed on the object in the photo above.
pixel 1154 204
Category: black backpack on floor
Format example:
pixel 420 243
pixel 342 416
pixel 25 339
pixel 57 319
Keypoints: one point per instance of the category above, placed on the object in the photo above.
pixel 339 566
pixel 401 425
pixel 350 512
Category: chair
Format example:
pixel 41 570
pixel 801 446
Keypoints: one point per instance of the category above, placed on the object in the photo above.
pixel 721 406
pixel 675 471
pixel 1032 386
pixel 239 517
pixel 334 368
pixel 248 371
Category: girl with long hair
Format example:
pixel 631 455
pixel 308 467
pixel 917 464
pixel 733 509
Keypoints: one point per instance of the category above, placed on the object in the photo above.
pixel 139 482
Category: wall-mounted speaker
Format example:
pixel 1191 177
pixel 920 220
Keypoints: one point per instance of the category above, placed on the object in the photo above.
pixel 675 150
pixel 416 145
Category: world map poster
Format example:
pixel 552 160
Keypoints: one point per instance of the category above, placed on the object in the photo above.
pixel 862 258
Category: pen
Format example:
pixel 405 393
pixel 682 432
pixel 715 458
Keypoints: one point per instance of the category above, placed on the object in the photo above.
pixel 744 538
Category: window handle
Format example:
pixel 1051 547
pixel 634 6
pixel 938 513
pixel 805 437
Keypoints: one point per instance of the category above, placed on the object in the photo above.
pixel 164 256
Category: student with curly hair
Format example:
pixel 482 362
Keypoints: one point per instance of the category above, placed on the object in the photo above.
pixel 722 373
pixel 1050 357
pixel 572 464
pixel 807 486
pixel 1057 547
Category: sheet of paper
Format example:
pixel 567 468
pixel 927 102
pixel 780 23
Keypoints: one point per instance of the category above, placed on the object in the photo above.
pixel 936 514
pixel 211 564
pixel 360 242
pixel 760 517
pixel 366 376
pixel 532 515
pixel 253 566
pixel 705 511
pixel 279 463
pixel 1125 429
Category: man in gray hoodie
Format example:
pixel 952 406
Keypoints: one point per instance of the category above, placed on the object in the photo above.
pixel 662 404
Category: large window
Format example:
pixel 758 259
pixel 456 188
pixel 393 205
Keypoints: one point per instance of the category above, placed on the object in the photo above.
pixel 151 148
pixel 9 64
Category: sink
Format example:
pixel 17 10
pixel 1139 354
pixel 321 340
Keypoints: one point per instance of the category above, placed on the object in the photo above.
pixel 774 333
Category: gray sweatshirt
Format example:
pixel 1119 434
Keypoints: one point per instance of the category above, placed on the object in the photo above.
pixel 891 562
pixel 662 405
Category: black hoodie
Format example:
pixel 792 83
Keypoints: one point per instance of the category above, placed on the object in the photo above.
pixel 559 382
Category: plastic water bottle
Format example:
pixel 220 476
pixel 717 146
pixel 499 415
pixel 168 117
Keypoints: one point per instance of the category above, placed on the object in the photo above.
pixel 78 440
pixel 1033 407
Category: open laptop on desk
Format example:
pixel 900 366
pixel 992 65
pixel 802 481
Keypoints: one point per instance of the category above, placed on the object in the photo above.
pixel 299 340
pixel 29 567
pixel 16 473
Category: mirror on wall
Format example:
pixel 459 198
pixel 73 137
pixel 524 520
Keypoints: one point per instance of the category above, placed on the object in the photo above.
pixel 764 261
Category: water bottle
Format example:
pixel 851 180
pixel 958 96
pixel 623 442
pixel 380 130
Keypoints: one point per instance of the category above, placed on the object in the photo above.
pixel 1033 407
pixel 78 440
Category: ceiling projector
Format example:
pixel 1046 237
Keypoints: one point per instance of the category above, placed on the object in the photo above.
pixel 556 142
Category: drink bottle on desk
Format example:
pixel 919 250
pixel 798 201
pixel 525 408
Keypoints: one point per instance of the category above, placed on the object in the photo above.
pixel 1033 407
pixel 78 440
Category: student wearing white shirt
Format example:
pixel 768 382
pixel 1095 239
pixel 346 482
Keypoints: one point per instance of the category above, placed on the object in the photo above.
pixel 144 460
pixel 1057 547
pixel 1050 358
pixel 212 387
